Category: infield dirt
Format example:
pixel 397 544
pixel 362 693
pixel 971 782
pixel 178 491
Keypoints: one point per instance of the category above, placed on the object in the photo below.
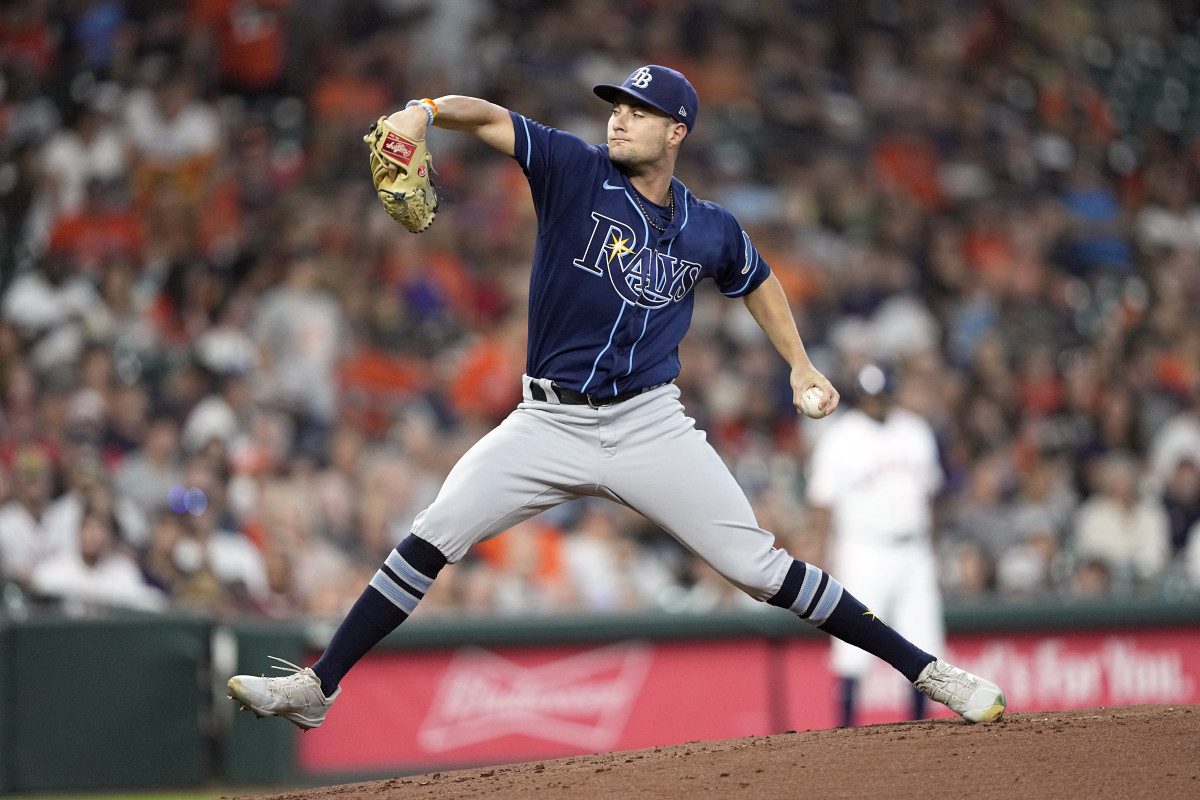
pixel 1116 752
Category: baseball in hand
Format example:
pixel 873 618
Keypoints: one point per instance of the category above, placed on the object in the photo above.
pixel 810 402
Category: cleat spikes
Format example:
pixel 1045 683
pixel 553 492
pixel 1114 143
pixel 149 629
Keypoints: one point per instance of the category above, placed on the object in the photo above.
pixel 297 697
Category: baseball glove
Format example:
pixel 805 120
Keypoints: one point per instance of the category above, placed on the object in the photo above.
pixel 410 197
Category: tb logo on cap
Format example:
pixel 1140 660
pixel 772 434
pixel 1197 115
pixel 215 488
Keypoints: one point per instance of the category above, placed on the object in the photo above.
pixel 641 79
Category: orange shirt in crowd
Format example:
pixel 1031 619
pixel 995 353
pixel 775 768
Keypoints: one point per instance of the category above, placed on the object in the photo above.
pixel 910 166
pixel 249 39
pixel 533 548
pixel 92 238
pixel 350 98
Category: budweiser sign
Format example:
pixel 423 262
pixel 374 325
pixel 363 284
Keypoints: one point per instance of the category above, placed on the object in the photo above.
pixel 583 700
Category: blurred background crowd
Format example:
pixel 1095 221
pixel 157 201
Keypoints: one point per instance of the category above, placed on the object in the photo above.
pixel 228 381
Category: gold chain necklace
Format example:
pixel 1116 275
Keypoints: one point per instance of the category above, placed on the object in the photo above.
pixel 670 214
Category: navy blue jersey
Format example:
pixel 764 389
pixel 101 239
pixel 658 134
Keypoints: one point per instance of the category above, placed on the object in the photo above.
pixel 610 296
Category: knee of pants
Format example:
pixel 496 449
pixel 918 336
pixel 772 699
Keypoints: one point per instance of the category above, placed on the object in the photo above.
pixel 759 579
pixel 452 540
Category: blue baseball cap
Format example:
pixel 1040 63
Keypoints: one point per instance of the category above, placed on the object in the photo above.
pixel 660 87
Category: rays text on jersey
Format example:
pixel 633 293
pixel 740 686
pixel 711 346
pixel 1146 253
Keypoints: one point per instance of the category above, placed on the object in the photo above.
pixel 644 277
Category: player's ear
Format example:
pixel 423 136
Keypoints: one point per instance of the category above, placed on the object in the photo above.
pixel 677 133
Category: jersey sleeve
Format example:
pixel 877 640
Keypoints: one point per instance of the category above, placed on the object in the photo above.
pixel 546 155
pixel 743 269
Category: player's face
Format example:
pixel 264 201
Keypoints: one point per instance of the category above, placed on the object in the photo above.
pixel 638 134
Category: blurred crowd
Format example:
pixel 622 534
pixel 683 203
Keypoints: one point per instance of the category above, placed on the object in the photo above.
pixel 228 381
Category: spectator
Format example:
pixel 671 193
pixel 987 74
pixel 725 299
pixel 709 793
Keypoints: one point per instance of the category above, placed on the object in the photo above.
pixel 1123 528
pixel 336 485
pixel 1096 240
pixel 104 229
pixel 163 563
pixel 1091 579
pixel 88 486
pixel 982 513
pixel 603 563
pixel 25 538
pixel 526 565
pixel 52 308
pixel 246 41
pixel 91 149
pixel 1181 498
pixel 228 573
pixel 1170 218
pixel 147 474
pixel 95 573
pixel 301 332
pixel 1178 439
pixel 225 414
pixel 702 590
pixel 174 134
pixel 300 562
pixel 967 573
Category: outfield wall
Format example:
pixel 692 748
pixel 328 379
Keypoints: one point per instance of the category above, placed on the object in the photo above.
pixel 138 702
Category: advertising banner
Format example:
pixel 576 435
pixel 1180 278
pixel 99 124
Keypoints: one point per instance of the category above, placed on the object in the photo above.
pixel 411 711
pixel 1038 672
pixel 487 706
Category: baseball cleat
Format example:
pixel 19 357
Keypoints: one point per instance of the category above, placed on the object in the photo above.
pixel 971 697
pixel 296 697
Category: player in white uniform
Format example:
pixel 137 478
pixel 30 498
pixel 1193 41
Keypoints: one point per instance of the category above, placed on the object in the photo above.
pixel 873 475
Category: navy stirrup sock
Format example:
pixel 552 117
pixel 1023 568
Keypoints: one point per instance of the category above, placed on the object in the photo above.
pixel 814 596
pixel 387 601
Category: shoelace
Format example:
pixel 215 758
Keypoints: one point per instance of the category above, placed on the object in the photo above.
pixel 284 684
pixel 287 665
pixel 949 685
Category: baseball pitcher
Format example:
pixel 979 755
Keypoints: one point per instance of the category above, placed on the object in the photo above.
pixel 621 245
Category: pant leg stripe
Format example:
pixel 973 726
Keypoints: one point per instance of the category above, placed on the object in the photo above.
pixel 407 573
pixel 394 592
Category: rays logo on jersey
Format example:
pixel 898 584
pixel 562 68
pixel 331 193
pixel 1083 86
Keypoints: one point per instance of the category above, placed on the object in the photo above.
pixel 644 277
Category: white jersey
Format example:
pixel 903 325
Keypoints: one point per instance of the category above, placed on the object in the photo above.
pixel 877 478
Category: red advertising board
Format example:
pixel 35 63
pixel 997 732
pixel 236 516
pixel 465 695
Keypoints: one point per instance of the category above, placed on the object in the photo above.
pixel 472 705
pixel 406 711
pixel 1078 669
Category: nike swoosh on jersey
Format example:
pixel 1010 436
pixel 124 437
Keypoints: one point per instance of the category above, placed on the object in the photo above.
pixel 608 185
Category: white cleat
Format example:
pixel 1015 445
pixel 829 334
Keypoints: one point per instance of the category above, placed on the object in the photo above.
pixel 296 697
pixel 972 697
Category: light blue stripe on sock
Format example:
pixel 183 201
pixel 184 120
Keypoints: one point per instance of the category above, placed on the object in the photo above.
pixel 414 578
pixel 394 592
pixel 808 588
pixel 828 602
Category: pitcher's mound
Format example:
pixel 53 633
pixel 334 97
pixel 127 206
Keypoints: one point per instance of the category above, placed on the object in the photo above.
pixel 1129 751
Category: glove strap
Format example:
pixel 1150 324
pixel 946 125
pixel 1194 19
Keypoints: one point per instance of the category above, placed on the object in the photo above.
pixel 427 104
